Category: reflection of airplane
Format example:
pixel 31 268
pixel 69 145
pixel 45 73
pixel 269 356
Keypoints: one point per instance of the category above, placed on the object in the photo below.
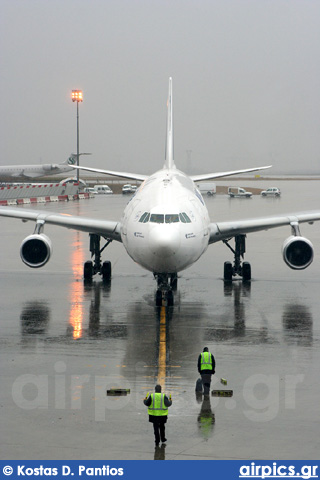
pixel 35 317
pixel 34 171
pixel 165 227
pixel 297 324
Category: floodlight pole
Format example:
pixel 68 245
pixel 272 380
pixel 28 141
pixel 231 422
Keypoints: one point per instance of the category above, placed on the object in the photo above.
pixel 77 97
pixel 78 142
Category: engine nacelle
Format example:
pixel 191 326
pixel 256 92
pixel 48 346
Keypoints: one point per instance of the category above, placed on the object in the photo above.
pixel 35 250
pixel 297 252
pixel 48 167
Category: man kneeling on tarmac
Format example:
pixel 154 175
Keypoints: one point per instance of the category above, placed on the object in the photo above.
pixel 158 404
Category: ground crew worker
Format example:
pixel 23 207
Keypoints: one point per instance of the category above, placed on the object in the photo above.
pixel 206 368
pixel 158 404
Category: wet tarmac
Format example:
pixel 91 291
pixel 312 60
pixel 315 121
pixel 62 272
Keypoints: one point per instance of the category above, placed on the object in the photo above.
pixel 64 343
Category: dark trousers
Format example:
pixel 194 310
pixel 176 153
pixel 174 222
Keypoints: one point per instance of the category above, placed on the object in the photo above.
pixel 159 431
pixel 206 380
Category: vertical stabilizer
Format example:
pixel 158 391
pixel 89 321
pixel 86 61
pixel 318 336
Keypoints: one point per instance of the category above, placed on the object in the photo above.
pixel 169 163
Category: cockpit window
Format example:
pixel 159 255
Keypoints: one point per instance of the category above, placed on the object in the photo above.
pixel 157 218
pixel 173 218
pixel 168 218
pixel 144 217
pixel 184 218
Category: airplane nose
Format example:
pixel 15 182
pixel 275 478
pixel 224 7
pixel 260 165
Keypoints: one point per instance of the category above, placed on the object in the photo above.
pixel 164 241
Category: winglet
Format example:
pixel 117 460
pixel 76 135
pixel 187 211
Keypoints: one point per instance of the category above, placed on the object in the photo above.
pixel 169 163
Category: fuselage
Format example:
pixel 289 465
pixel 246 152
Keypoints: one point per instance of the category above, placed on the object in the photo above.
pixel 165 226
pixel 33 171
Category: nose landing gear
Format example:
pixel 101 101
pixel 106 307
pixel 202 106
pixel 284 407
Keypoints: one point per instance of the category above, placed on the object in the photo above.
pixel 167 283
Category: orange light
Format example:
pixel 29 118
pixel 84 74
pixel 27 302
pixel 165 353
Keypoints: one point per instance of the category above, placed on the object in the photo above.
pixel 77 96
pixel 76 315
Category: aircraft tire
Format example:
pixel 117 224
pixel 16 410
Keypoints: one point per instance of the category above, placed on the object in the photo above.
pixel 170 298
pixel 106 270
pixel 246 272
pixel 88 270
pixel 227 272
pixel 159 298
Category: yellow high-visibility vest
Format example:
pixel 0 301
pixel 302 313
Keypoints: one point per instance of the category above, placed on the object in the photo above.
pixel 157 406
pixel 206 361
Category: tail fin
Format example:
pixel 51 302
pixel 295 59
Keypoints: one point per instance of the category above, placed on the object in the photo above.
pixel 72 159
pixel 169 163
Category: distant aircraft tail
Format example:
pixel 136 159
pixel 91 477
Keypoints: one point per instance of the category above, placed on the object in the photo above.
pixel 72 159
pixel 169 163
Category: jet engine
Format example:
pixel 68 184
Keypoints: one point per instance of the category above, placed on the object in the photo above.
pixel 48 167
pixel 35 250
pixel 297 252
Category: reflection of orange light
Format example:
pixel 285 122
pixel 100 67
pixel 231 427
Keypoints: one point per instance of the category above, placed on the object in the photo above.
pixel 76 291
pixel 162 349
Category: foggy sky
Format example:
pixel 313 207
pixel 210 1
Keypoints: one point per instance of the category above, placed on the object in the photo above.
pixel 246 83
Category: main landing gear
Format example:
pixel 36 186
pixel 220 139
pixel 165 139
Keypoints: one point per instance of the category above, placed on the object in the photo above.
pixel 95 266
pixel 167 283
pixel 243 269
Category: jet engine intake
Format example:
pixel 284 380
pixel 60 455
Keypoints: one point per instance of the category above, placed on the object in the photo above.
pixel 35 250
pixel 297 252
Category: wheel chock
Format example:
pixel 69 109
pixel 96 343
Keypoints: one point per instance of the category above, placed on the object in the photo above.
pixel 118 392
pixel 222 393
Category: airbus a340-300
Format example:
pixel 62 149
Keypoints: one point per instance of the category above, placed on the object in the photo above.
pixel 165 227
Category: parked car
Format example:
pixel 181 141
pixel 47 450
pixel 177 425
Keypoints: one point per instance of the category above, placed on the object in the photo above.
pixel 89 190
pixel 128 188
pixel 238 192
pixel 102 189
pixel 271 192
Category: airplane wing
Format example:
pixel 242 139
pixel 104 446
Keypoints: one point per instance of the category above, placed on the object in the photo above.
pixel 131 176
pixel 223 230
pixel 211 176
pixel 105 228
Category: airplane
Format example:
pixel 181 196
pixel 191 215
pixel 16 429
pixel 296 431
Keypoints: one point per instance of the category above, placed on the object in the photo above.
pixel 165 227
pixel 34 171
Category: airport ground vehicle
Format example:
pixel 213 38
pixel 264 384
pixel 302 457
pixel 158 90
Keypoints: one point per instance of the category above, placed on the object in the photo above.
pixel 208 188
pixel 238 192
pixel 102 189
pixel 128 188
pixel 271 192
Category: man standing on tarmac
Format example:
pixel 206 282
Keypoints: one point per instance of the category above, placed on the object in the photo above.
pixel 206 368
pixel 158 404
